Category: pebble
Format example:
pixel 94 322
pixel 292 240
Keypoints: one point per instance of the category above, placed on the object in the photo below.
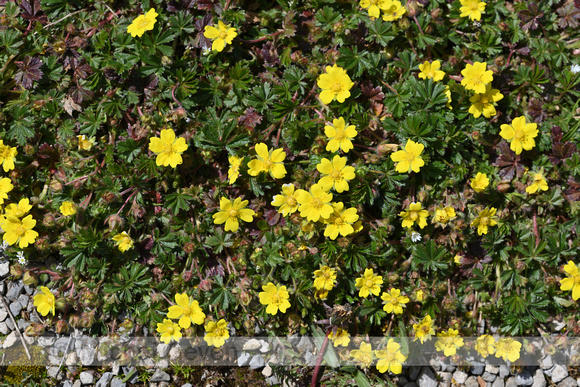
pixel 304 345
pixel 86 378
pixel 186 385
pixel 559 373
pixel 444 378
pixel 267 371
pixel 568 382
pixel 256 362
pixel 471 382
pixel 460 377
pixel 53 372
pixel 104 380
pixel 175 353
pixel 29 289
pixel 15 308
pixel 117 382
pixel 504 371
pixel 498 382
pixel 511 382
pixel 426 378
pixel 163 364
pixel 4 268
pixel 310 359
pixel 265 346
pixel 71 359
pixel 488 377
pixel 244 359
pixel 10 340
pixel 3 313
pixel 46 341
pixel 87 356
pixel 492 369
pixel 546 363
pixel 14 290
pixel 435 365
pixel 477 368
pixel 162 349
pixel 251 345
pixel 539 379
pixel 22 324
pixel 160 376
pixel 525 378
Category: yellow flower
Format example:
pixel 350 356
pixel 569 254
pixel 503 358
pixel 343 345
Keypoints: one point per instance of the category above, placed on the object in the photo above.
pixel 476 77
pixel 234 171
pixel 5 187
pixel 68 208
pixel 340 337
pixel 340 222
pixel 457 259
pixel 44 301
pixel 393 11
pixel 335 174
pixel 230 212
pixel 315 204
pixel 472 8
pixel 431 70
pixel 169 331
pixel 143 23
pixel 85 143
pixel 415 214
pixel 424 329
pixel 321 294
pixel 324 278
pixel 216 334
pixel 420 295
pixel 20 209
pixel 187 311
pixel 369 283
pixel 363 355
pixel 444 215
pixel 508 349
pixel 340 135
pixel 539 183
pixel 287 201
pixel 409 159
pixel 485 345
pixel 20 231
pixel 573 280
pixel 221 36
pixel 483 103
pixel 124 241
pixel 374 6
pixel 448 342
pixel 390 359
pixel 519 134
pixel 479 182
pixel 394 302
pixel 275 297
pixel 7 156
pixel 167 148
pixel 485 218
pixel 268 161
pixel 335 84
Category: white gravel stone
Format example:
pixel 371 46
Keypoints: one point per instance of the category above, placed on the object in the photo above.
pixel 163 349
pixel 244 359
pixel 460 377
pixel 86 378
pixel 3 313
pixel 267 371
pixel 251 345
pixel 160 376
pixel 426 378
pixel 87 356
pixel 10 340
pixel 175 353
pixel 539 379
pixel 498 382
pixel 559 373
pixel 444 378
pixel 547 363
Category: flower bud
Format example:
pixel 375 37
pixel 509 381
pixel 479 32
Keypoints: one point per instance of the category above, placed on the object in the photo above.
pixel 34 329
pixel 60 303
pixel 503 187
pixel 61 326
pixel 189 247
pixel 16 271
pixel 412 8
pixel 108 197
pixel 126 326
pixel 29 149
pixel 48 220
pixel 245 298
pixel 29 279
pixel 87 319
pixel 74 321
pixel 436 13
pixel 205 285
pixel 187 276
pixel 385 148
pixel 55 185
pixel 115 222
pixel 42 244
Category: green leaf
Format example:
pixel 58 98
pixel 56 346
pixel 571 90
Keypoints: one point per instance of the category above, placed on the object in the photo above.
pixel 177 201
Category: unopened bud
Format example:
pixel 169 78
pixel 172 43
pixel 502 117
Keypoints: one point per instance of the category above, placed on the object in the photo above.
pixel 87 319
pixel 34 329
pixel 245 298
pixel 74 321
pixel 29 279
pixel 61 326
pixel 115 222
pixel 205 285
pixel 42 244
pixel 48 220
pixel 187 276
pixel 503 187
pixel 412 8
pixel 16 271
pixel 387 148
pixel 126 326
pixel 60 303
pixel 55 185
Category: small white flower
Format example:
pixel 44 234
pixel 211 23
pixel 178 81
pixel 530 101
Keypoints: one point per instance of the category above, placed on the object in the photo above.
pixel 415 237
pixel 575 68
pixel 21 258
pixel 205 50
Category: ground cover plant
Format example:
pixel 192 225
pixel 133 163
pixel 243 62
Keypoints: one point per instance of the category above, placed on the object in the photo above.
pixel 372 168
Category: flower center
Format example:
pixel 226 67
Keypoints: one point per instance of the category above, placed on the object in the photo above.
pixel 335 174
pixel 338 221
pixel 410 156
pixel 476 79
pixel 20 230
pixel 186 311
pixel 168 148
pixel 267 164
pixel 233 213
pixel 317 203
pixel 142 22
pixel 336 88
pixel 291 201
pixel 275 299
pixel 170 330
pixel 369 283
pixel 223 34
pixel 340 135
pixel 473 6
pixel 484 221
pixel 519 135
pixel 413 215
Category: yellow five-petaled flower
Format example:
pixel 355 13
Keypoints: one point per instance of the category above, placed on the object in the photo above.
pixel 431 70
pixel 409 159
pixel 45 301
pixel 221 36
pixel 230 213
pixel 216 334
pixel 519 134
pixel 275 298
pixel 394 301
pixel 268 161
pixel 415 214
pixel 167 148
pixel 7 156
pixel 369 283
pixel 573 280
pixel 143 23
pixel 472 8
pixel 124 241
pixel 390 359
pixel 19 231
pixel 476 77
pixel 169 331
pixel 335 84
pixel 340 135
pixel 448 342
pixel 485 219
pixel 187 311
